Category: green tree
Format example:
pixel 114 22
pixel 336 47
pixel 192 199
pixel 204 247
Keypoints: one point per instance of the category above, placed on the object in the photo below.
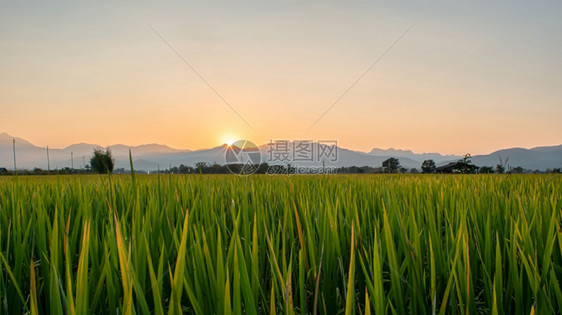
pixel 201 167
pixel 486 170
pixel 391 165
pixel 183 169
pixel 466 166
pixel 428 166
pixel 517 170
pixel 500 169
pixel 102 161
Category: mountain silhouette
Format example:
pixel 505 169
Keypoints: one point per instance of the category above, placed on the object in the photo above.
pixel 154 156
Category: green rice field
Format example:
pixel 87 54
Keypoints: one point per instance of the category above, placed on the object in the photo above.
pixel 225 244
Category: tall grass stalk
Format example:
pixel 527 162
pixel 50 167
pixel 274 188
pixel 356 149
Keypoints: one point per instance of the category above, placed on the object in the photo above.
pixel 276 244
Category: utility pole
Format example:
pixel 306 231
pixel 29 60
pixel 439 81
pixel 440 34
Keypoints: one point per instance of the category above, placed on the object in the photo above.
pixel 14 147
pixel 71 160
pixel 83 162
pixel 48 162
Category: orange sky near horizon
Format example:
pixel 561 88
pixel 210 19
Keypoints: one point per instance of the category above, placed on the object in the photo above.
pixel 464 79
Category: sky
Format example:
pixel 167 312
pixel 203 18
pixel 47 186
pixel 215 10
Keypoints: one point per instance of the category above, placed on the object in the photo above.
pixel 468 77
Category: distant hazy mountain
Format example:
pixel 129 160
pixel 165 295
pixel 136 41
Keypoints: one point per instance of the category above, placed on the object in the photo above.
pixel 356 158
pixel 121 149
pixel 348 157
pixel 153 156
pixel 154 160
pixel 418 157
pixel 539 158
pixel 30 156
pixel 6 141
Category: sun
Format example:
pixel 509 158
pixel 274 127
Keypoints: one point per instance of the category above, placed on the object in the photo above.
pixel 228 139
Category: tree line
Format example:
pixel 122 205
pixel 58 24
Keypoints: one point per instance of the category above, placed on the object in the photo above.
pixel 102 162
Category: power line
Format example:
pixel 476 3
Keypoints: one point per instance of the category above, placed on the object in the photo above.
pixel 202 79
pixel 361 77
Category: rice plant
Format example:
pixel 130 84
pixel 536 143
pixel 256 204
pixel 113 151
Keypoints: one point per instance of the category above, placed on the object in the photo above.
pixel 275 244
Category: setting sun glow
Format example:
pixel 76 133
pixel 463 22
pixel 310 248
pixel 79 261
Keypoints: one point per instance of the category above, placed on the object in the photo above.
pixel 228 139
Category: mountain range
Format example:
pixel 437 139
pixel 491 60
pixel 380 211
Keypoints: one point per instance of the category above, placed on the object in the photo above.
pixel 154 156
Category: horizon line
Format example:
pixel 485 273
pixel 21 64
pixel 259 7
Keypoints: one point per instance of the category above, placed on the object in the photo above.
pixel 265 144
